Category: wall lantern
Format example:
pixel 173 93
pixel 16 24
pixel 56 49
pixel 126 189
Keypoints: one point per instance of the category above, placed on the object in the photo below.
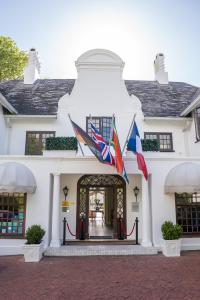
pixel 65 191
pixel 136 192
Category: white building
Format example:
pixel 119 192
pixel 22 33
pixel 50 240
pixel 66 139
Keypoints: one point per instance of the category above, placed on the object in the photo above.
pixel 32 182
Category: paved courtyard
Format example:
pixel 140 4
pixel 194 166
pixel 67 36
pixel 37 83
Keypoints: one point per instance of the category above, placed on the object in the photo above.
pixel 129 277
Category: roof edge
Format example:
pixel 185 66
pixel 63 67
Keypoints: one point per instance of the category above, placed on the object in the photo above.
pixel 7 105
pixel 20 116
pixel 192 105
pixel 167 118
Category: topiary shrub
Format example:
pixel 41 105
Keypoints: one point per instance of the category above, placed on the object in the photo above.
pixel 150 145
pixel 34 234
pixel 61 143
pixel 171 231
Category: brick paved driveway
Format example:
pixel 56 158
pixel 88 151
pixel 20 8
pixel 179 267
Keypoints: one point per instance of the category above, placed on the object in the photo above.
pixel 130 277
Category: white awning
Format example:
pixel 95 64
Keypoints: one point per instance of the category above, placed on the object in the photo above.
pixel 184 178
pixel 16 178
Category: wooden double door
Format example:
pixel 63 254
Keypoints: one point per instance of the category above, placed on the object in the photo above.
pixel 115 191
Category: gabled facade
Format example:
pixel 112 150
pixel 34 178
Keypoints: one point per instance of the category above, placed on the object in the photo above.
pixel 34 109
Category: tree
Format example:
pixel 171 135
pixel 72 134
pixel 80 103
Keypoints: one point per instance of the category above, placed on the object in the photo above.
pixel 12 59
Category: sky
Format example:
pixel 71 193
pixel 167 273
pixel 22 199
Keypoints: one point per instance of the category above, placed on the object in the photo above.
pixel 136 30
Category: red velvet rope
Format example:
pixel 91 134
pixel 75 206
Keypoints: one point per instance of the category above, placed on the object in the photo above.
pixel 131 230
pixel 124 230
pixel 78 231
pixel 121 224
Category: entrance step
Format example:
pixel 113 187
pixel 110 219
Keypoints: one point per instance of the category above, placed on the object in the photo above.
pixel 101 250
pixel 100 242
pixel 102 237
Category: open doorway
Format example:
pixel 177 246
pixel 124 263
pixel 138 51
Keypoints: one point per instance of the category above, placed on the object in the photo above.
pixel 101 213
pixel 101 202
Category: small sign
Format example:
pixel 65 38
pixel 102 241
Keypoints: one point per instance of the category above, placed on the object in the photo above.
pixel 66 203
pixel 65 206
pixel 135 207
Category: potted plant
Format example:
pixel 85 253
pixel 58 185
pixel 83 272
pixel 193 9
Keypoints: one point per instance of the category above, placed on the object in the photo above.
pixel 33 249
pixel 171 234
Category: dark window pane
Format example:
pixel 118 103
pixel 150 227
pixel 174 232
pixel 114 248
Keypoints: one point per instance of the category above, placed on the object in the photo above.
pixel 164 140
pixel 35 142
pixel 188 212
pixel 11 217
pixel 103 124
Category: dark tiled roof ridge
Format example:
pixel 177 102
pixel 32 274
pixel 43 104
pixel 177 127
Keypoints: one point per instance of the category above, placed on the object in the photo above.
pixel 74 79
pixel 41 98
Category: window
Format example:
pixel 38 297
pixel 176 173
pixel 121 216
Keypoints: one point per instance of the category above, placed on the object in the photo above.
pixel 35 141
pixel 12 214
pixel 164 140
pixel 188 212
pixel 103 124
pixel 197 123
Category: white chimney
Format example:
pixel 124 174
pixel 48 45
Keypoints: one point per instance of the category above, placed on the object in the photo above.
pixel 159 68
pixel 32 69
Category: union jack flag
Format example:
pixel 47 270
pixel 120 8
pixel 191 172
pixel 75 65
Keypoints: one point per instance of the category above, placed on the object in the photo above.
pixel 104 148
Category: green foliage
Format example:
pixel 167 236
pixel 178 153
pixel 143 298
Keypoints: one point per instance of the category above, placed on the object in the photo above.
pixel 34 234
pixel 61 143
pixel 12 59
pixel 150 145
pixel 171 231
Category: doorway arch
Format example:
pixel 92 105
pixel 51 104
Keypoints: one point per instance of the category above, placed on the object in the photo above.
pixel 116 186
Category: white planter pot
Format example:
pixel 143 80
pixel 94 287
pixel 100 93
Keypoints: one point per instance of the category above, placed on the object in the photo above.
pixel 59 153
pixel 171 247
pixel 33 253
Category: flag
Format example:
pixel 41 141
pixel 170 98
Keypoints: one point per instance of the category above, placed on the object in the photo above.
pixel 83 137
pixel 119 163
pixel 105 149
pixel 135 145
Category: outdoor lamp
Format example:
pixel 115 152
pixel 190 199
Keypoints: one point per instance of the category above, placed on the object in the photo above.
pixel 65 191
pixel 136 192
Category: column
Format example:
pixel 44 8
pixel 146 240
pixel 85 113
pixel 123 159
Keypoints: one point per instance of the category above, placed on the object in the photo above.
pixel 146 215
pixel 55 239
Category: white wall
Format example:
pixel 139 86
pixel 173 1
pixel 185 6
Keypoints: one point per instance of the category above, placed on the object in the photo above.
pixel 63 127
pixel 18 132
pixel 99 91
pixel 71 182
pixel 134 180
pixel 174 126
pixel 38 204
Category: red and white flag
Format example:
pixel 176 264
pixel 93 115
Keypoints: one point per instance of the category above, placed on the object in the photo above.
pixel 135 145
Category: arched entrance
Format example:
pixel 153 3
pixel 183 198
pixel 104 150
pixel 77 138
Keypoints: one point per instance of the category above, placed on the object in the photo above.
pixel 111 191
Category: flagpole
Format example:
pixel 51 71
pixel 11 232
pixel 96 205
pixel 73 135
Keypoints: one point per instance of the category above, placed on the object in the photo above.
pixel 90 119
pixel 133 120
pixel 111 131
pixel 75 135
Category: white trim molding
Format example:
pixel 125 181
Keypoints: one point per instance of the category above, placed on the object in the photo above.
pixel 7 105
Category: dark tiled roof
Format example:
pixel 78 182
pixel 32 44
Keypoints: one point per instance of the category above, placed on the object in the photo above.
pixel 42 97
pixel 162 100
